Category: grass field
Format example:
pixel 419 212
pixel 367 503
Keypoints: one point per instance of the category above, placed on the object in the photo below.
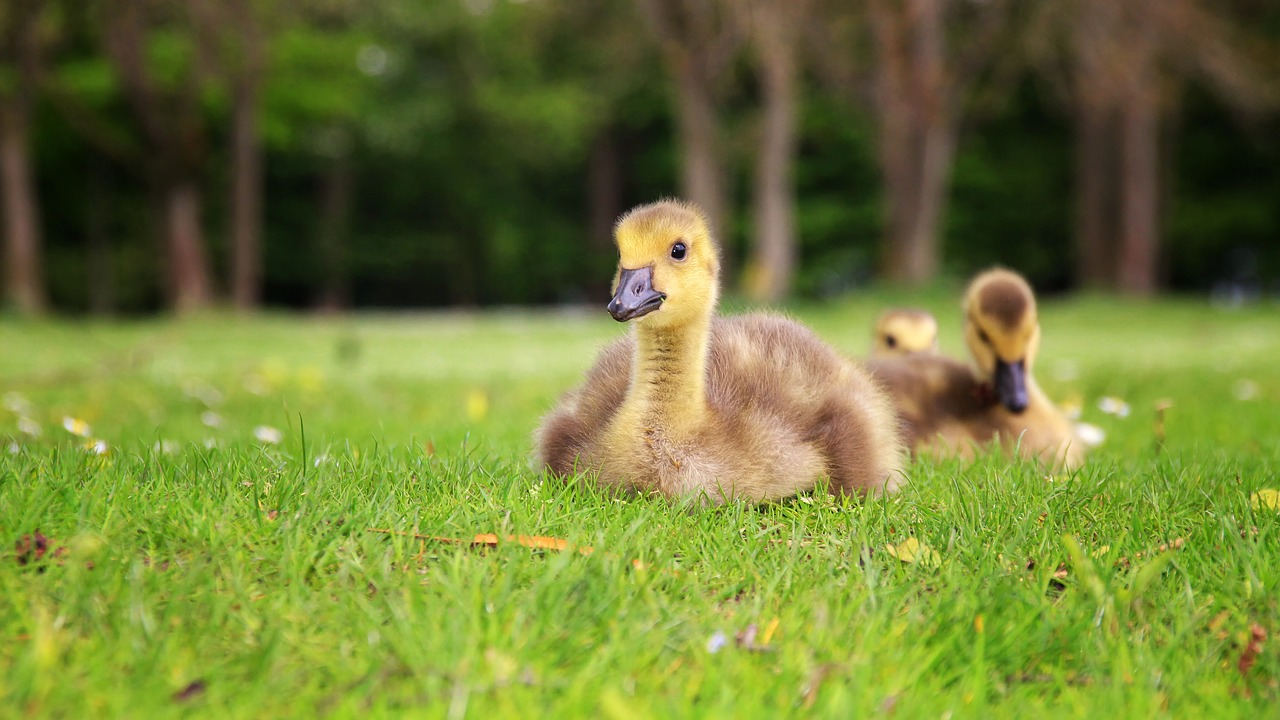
pixel 197 567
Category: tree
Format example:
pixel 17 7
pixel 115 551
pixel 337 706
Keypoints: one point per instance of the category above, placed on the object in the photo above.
pixel 698 40
pixel 775 28
pixel 166 102
pixel 1123 61
pixel 21 36
pixel 238 29
pixel 928 57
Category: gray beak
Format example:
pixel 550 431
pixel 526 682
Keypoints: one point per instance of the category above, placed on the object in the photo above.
pixel 1011 385
pixel 635 296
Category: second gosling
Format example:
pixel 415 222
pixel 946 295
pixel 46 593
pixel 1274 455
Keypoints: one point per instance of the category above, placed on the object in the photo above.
pixel 904 331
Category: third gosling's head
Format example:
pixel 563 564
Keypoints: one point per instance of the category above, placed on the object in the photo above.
pixel 904 332
pixel 668 265
pixel 1002 330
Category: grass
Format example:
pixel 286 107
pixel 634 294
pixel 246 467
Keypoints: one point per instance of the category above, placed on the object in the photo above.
pixel 204 572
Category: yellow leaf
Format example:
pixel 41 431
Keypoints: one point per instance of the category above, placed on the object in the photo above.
pixel 912 550
pixel 1266 499
pixel 477 405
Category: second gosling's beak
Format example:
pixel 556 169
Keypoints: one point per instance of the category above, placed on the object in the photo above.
pixel 635 296
pixel 1011 385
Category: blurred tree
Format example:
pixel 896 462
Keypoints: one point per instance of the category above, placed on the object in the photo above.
pixel 239 32
pixel 22 34
pixel 775 28
pixel 164 74
pixel 699 41
pixel 1124 62
pixel 928 57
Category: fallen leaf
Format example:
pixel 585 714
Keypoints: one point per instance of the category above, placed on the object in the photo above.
pixel 746 639
pixel 816 678
pixel 1266 499
pixel 768 631
pixel 477 405
pixel 912 550
pixel 193 690
pixel 31 548
pixel 1257 636
pixel 537 542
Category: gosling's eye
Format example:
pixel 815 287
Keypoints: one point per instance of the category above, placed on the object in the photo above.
pixel 982 335
pixel 678 251
pixel 891 341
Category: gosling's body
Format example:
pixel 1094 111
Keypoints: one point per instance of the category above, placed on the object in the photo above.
pixel 691 405
pixel 904 331
pixel 948 408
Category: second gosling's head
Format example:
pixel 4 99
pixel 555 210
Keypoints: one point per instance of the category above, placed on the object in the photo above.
pixel 1002 329
pixel 905 332
pixel 668 265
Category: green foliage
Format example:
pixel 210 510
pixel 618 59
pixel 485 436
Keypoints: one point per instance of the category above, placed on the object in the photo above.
pixel 469 126
pixel 208 573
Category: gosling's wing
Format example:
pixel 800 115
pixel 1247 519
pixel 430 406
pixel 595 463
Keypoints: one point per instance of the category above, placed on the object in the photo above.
pixel 931 394
pixel 584 412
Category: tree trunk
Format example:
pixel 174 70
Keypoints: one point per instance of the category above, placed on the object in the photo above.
pixel 246 197
pixel 702 169
pixel 23 277
pixel 101 278
pixel 774 254
pixel 189 285
pixel 335 217
pixel 1139 195
pixel 917 134
pixel 1095 190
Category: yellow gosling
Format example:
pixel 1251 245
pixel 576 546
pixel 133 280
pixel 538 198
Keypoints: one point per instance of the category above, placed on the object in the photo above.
pixel 693 405
pixel 949 408
pixel 903 332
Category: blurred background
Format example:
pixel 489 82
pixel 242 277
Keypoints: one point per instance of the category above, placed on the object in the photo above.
pixel 171 155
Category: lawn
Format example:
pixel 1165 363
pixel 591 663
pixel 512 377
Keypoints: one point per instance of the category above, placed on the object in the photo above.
pixel 214 546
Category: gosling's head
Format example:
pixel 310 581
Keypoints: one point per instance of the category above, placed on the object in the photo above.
pixel 904 332
pixel 1003 333
pixel 668 265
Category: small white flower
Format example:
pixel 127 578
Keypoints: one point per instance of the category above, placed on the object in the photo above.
pixel 535 489
pixel 716 642
pixel 211 419
pixel 268 434
pixel 1114 406
pixel 27 426
pixel 165 447
pixel 322 459
pixel 14 448
pixel 17 404
pixel 1245 390
pixel 97 447
pixel 210 443
pixel 77 427
pixel 1090 435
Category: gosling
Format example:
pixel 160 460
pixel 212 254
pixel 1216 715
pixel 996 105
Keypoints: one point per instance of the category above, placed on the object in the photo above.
pixel 948 408
pixel 755 408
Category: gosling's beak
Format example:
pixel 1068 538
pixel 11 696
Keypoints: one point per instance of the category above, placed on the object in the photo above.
pixel 1011 385
pixel 635 296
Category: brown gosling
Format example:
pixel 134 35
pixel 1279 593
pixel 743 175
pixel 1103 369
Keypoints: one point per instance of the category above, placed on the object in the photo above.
pixel 904 331
pixel 754 408
pixel 949 408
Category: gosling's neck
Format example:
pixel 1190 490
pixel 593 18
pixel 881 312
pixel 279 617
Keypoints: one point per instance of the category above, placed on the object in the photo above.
pixel 669 382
